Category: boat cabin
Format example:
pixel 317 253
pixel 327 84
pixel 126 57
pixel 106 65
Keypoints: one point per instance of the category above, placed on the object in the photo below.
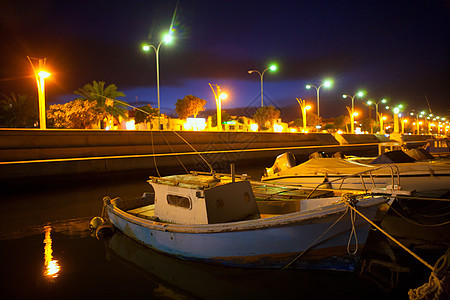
pixel 202 199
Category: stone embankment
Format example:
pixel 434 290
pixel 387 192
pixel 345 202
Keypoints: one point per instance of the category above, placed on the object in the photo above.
pixel 58 153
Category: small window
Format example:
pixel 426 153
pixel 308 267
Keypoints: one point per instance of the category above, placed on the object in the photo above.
pixel 179 201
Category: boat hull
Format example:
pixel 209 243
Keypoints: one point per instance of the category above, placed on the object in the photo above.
pixel 269 242
pixel 410 182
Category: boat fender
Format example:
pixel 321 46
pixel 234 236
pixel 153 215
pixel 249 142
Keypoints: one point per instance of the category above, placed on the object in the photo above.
pixel 95 223
pixel 105 230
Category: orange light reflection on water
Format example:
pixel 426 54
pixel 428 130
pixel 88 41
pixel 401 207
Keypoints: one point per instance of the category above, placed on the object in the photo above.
pixel 51 266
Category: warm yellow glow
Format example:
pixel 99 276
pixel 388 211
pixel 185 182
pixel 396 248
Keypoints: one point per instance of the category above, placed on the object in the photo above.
pixel 223 96
pixel 405 121
pixel 254 127
pixel 195 124
pixel 355 114
pixel 51 266
pixel 277 128
pixel 308 107
pixel 384 118
pixel 340 131
pixel 420 123
pixel 43 74
pixel 293 130
pixel 130 125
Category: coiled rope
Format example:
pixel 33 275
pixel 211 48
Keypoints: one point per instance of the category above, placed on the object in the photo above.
pixel 438 283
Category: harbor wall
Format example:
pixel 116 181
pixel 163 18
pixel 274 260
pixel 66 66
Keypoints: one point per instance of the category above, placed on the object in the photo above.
pixel 38 154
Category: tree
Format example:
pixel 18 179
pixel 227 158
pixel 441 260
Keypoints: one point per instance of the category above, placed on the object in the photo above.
pixel 265 116
pixel 189 106
pixel 341 122
pixel 18 111
pixel 103 96
pixel 77 114
pixel 145 114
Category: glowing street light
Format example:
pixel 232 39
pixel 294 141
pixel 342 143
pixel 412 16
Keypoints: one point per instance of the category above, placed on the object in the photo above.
pixel 261 74
pixel 218 96
pixel 40 75
pixel 304 108
pixel 359 94
pixel 166 39
pixel 370 102
pixel 327 84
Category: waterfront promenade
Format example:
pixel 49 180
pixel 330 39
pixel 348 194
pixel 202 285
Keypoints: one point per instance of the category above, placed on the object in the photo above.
pixel 43 154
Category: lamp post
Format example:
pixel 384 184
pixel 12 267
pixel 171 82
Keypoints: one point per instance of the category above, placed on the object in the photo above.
pixel 166 39
pixel 304 108
pixel 218 96
pixel 261 74
pixel 359 94
pixel 326 83
pixel 370 102
pixel 40 75
pixel 381 118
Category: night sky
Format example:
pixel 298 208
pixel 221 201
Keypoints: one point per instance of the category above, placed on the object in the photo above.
pixel 392 49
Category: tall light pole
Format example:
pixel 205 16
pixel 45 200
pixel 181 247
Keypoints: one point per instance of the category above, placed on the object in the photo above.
pixel 218 96
pixel 40 75
pixel 327 84
pixel 352 112
pixel 261 74
pixel 166 39
pixel 370 102
pixel 304 108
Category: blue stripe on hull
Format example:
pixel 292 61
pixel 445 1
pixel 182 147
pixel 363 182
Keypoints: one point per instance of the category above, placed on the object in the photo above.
pixel 264 247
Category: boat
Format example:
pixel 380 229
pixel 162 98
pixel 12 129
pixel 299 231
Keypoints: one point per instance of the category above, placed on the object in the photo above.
pixel 438 147
pixel 221 220
pixel 336 172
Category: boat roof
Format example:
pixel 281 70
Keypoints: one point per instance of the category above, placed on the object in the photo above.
pixel 193 181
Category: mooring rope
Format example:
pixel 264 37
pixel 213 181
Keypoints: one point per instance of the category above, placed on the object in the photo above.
pixel 313 243
pixel 417 223
pixel 154 157
pixel 438 282
pixel 173 151
pixel 389 236
pixel 352 233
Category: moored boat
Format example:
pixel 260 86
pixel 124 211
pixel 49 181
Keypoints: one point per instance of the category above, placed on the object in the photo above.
pixel 337 172
pixel 217 220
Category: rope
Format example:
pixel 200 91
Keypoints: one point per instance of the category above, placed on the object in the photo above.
pixel 390 237
pixel 352 232
pixel 313 243
pixel 195 150
pixel 154 157
pixel 417 223
pixel 437 283
pixel 170 146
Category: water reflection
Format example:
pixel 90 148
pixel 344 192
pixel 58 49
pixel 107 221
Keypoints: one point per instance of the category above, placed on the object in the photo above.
pixel 192 280
pixel 52 267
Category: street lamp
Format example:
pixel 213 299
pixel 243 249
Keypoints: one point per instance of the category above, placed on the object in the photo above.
pixel 271 68
pixel 304 108
pixel 166 39
pixel 370 102
pixel 327 84
pixel 40 75
pixel 218 96
pixel 359 94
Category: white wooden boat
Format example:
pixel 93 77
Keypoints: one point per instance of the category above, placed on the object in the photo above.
pixel 217 220
pixel 338 173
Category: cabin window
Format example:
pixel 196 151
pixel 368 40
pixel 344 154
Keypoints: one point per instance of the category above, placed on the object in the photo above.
pixel 179 201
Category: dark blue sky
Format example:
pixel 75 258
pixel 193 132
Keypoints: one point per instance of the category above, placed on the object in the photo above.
pixel 393 49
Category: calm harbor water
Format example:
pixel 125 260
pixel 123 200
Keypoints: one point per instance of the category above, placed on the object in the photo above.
pixel 47 252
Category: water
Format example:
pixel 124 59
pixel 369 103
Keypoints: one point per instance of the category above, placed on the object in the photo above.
pixel 47 252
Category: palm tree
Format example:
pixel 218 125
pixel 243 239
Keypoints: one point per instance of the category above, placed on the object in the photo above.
pixel 18 111
pixel 105 98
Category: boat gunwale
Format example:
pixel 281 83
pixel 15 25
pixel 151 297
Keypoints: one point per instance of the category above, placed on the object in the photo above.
pixel 245 225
